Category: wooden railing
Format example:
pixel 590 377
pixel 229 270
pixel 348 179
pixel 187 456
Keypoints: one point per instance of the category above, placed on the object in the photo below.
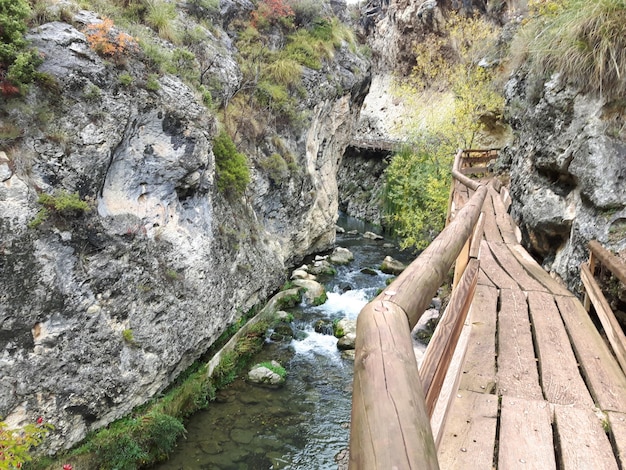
pixel 599 256
pixel 392 400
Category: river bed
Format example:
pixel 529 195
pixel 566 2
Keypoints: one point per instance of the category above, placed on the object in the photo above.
pixel 305 424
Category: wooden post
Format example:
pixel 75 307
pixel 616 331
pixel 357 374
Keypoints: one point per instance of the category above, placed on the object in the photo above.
pixel 592 269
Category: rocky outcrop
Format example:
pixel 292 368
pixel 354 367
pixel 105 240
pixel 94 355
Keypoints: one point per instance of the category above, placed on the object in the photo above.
pixel 101 310
pixel 568 175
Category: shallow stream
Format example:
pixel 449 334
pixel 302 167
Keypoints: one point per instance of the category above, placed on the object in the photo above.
pixel 305 424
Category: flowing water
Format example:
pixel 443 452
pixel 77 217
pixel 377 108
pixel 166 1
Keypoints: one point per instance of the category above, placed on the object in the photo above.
pixel 305 424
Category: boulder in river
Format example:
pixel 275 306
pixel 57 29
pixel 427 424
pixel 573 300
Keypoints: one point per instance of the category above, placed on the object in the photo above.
pixel 268 374
pixel 341 255
pixel 314 292
pixel 372 236
pixel 392 266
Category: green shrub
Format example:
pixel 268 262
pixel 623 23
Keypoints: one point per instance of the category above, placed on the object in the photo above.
pixel 276 168
pixel 61 204
pixel 125 79
pixel 152 84
pixel 232 170
pixel 17 63
pixel 160 17
pixel 584 41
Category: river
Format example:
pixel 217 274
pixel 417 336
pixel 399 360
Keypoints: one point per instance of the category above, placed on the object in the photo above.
pixel 305 424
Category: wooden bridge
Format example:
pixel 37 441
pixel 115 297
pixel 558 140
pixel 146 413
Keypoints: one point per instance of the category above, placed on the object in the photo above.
pixel 516 375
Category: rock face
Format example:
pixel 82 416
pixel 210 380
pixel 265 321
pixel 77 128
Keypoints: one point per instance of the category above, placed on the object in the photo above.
pixel 101 311
pixel 568 173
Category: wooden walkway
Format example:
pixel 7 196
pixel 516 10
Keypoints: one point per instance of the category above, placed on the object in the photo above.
pixel 539 387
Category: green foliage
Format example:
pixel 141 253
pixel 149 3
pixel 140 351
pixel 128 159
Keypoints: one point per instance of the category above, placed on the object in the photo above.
pixel 276 167
pixel 417 185
pixel 321 299
pixel 417 182
pixel 128 336
pixel 61 204
pixel 152 84
pixel 584 41
pixel 16 444
pixel 131 443
pixel 337 330
pixel 17 63
pixel 125 79
pixel 233 174
pixel 160 16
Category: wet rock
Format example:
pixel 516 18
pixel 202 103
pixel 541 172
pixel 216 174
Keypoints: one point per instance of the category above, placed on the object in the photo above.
pixel 372 236
pixel 323 327
pixel 392 266
pixel 341 255
pixel 314 292
pixel 322 267
pixel 369 271
pixel 263 375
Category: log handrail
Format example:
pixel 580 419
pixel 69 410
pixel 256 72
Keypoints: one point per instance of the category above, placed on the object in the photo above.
pixel 390 425
pixel 595 297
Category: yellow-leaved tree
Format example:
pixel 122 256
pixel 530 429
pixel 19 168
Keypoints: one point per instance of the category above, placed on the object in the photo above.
pixel 452 88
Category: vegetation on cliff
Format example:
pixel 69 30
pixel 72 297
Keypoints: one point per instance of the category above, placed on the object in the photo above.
pixel 582 40
pixel 455 99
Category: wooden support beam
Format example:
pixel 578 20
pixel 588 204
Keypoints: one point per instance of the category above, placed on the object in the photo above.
pixel 477 237
pixel 610 324
pixel 441 347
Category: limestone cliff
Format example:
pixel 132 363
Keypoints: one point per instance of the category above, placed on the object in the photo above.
pixel 101 310
pixel 568 174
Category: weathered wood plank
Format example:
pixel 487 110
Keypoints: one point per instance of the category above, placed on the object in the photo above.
pixel 479 370
pixel 492 233
pixel 494 271
pixel 517 364
pixel 506 198
pixel 441 347
pixel 525 438
pixel 514 269
pixel 605 379
pixel 611 326
pixel 582 441
pixel 389 426
pixel 530 265
pixel 450 386
pixel 470 435
pixel 560 377
pixel 617 425
pixel 503 219
pixel 484 280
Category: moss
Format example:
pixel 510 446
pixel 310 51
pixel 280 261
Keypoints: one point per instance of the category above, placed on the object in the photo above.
pixel 321 299
pixel 275 367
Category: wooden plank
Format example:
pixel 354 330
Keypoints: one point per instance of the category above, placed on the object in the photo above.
pixel 536 271
pixel 517 364
pixel 525 438
pixel 484 280
pixel 617 425
pixel 582 441
pixel 389 426
pixel 514 269
pixel 492 233
pixel 494 271
pixel 611 326
pixel 479 370
pixel 503 219
pixel 450 386
pixel 461 263
pixel 440 350
pixel 605 379
pixel 470 435
pixel 560 377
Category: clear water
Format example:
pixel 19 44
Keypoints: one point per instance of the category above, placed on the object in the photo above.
pixel 305 424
